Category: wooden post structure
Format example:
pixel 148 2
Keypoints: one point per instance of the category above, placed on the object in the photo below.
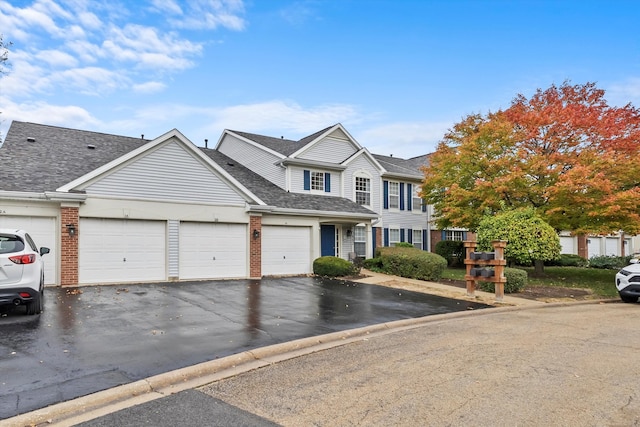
pixel 485 267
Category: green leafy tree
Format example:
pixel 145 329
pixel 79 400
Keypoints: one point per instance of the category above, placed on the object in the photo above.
pixel 530 240
pixel 563 152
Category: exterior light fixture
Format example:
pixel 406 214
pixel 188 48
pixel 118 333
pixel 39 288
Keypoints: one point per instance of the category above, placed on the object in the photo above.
pixel 349 232
pixel 256 233
pixel 71 229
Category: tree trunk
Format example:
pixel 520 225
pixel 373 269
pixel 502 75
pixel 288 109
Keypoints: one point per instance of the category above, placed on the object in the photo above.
pixel 539 267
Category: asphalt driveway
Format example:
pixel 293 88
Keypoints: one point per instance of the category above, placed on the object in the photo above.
pixel 94 338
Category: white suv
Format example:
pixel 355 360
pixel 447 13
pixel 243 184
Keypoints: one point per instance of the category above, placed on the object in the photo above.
pixel 21 271
pixel 628 282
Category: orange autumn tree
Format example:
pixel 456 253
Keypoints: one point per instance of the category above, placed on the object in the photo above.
pixel 564 152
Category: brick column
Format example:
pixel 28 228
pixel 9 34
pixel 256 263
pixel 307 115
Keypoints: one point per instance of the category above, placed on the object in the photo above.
pixel 69 246
pixel 379 242
pixel 583 247
pixel 255 247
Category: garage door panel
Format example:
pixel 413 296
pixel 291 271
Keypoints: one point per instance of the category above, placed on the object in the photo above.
pixel 213 250
pixel 43 232
pixel 286 250
pixel 113 251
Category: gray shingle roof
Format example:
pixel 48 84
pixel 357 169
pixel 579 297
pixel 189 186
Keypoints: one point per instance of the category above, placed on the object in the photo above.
pixel 283 146
pixel 402 166
pixel 56 156
pixel 273 195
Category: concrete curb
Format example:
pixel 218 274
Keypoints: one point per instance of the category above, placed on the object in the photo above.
pixel 101 403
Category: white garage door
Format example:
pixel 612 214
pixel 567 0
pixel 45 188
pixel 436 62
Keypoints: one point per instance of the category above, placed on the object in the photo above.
pixel 594 245
pixel 43 232
pixel 567 245
pixel 286 250
pixel 212 250
pixel 118 251
pixel 612 246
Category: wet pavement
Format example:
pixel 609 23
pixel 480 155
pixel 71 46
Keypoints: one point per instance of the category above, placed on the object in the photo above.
pixel 94 338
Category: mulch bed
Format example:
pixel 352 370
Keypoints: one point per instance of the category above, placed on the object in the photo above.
pixel 537 292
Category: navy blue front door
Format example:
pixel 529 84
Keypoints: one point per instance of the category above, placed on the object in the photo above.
pixel 327 240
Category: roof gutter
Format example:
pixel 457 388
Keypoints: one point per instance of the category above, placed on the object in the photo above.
pixel 310 163
pixel 308 212
pixel 50 196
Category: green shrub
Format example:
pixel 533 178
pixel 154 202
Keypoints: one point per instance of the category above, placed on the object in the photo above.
pixel 404 245
pixel 373 264
pixel 516 281
pixel 451 250
pixel 412 263
pixel 608 262
pixel 568 260
pixel 332 266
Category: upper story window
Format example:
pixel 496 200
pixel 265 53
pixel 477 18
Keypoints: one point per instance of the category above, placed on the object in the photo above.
pixel 417 200
pixel 317 181
pixel 363 191
pixel 394 195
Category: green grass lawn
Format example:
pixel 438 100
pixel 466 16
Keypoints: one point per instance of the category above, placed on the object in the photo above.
pixel 601 282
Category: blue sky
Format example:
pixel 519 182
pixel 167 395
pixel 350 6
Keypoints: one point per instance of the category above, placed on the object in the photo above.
pixel 396 73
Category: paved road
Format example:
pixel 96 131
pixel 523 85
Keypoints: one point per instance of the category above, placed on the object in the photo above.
pixel 572 365
pixel 551 365
pixel 95 338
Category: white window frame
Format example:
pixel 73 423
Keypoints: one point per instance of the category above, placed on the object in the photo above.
pixel 393 231
pixel 455 235
pixel 417 241
pixel 416 202
pixel 367 192
pixel 316 179
pixel 394 195
pixel 360 237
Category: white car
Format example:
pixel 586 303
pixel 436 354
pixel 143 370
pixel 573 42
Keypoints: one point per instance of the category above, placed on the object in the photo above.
pixel 628 282
pixel 21 271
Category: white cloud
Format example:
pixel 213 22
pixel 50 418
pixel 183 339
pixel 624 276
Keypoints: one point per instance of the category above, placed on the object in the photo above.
pixel 149 87
pixel 622 93
pixel 56 58
pixel 403 139
pixel 167 6
pixel 211 14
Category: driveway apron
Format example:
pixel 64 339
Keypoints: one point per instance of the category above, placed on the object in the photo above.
pixel 94 338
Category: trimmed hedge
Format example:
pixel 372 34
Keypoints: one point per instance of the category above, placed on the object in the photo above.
pixel 451 250
pixel 332 266
pixel 568 260
pixel 517 279
pixel 609 262
pixel 411 262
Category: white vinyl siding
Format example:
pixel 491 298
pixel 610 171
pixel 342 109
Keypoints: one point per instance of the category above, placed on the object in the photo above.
pixel 121 251
pixel 260 161
pixel 43 232
pixel 167 173
pixel 329 150
pixel 213 250
pixel 362 166
pixel 286 250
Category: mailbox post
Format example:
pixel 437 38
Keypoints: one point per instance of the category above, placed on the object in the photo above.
pixel 485 267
